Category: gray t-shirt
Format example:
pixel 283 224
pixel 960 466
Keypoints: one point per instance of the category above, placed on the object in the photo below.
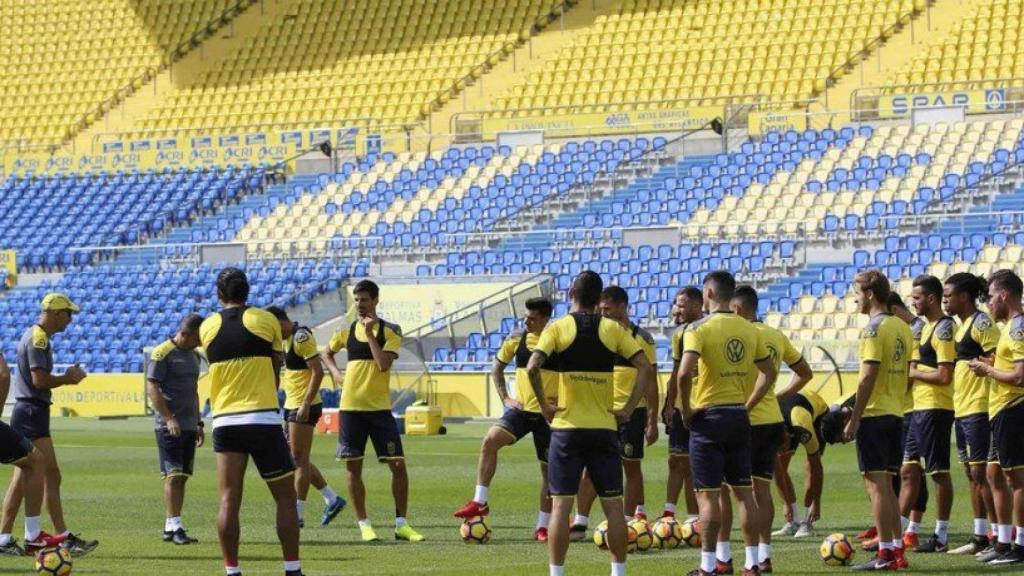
pixel 34 353
pixel 177 371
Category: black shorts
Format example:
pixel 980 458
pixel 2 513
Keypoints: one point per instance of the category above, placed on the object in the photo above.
pixel 973 438
pixel 678 435
pixel 31 419
pixel 765 442
pixel 13 446
pixel 378 426
pixel 632 437
pixel 928 438
pixel 878 444
pixel 177 453
pixel 315 412
pixel 720 447
pixel 519 423
pixel 1008 432
pixel 264 442
pixel 578 449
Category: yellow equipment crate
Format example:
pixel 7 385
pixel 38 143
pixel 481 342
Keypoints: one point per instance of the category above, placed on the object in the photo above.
pixel 423 420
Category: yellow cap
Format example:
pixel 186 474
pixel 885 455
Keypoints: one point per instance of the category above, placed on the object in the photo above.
pixel 57 301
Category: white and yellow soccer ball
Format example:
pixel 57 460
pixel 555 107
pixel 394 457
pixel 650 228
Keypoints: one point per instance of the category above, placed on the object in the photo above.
pixel 668 533
pixel 54 562
pixel 644 536
pixel 601 535
pixel 836 550
pixel 691 533
pixel 475 530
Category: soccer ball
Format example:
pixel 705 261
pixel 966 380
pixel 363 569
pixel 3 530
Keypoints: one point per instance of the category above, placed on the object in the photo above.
pixel 601 535
pixel 54 562
pixel 632 538
pixel 475 530
pixel 668 533
pixel 691 533
pixel 836 550
pixel 644 537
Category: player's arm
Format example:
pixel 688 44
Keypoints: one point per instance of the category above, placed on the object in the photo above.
pixel 815 485
pixel 5 381
pixel 501 386
pixel 866 385
pixel 155 374
pixel 802 376
pixel 334 345
pixel 44 380
pixel 767 373
pixel 687 371
pixel 651 392
pixel 644 381
pixel 671 393
pixel 537 383
pixel 941 376
pixel 308 350
pixel 1013 377
pixel 383 358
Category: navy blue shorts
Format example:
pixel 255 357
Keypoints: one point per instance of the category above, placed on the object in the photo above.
pixel 13 446
pixel 177 453
pixel 973 438
pixel 720 447
pixel 315 412
pixel 1008 432
pixel 878 444
pixel 577 449
pixel 929 438
pixel 765 442
pixel 377 426
pixel 519 423
pixel 631 435
pixel 265 443
pixel 31 419
pixel 678 435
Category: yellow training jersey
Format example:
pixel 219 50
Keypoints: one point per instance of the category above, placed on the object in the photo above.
pixel 298 350
pixel 518 348
pixel 916 328
pixel 240 344
pixel 366 388
pixel 625 373
pixel 586 345
pixel 936 347
pixel 1009 352
pixel 728 347
pixel 780 349
pixel 887 341
pixel 976 337
pixel 802 413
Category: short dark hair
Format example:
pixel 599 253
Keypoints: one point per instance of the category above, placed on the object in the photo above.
pixel 722 283
pixel 368 287
pixel 976 287
pixel 832 424
pixel 875 281
pixel 1008 280
pixel 278 312
pixel 929 285
pixel 233 285
pixel 615 294
pixel 587 287
pixel 541 306
pixel 190 324
pixel 691 292
pixel 894 301
pixel 747 296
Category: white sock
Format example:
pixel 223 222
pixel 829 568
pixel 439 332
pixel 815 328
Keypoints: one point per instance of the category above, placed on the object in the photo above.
pixel 796 512
pixel 6 539
pixel 31 528
pixel 292 565
pixel 883 545
pixel 300 507
pixel 807 514
pixel 981 526
pixel 707 561
pixel 173 523
pixel 364 522
pixel 480 496
pixel 897 544
pixel 328 494
pixel 904 521
pixel 628 519
pixel 1020 535
pixel 723 552
pixel 640 509
pixel 232 570
pixel 670 507
pixel 618 569
pixel 692 517
pixel 581 521
pixel 764 552
pixel 942 530
pixel 400 522
pixel 751 553
pixel 1005 533
pixel 913 527
pixel 543 518
pixel 556 570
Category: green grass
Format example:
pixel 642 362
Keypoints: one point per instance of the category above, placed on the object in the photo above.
pixel 112 491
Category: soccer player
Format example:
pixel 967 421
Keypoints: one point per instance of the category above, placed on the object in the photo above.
pixel 31 418
pixel 243 346
pixel 932 424
pixel 642 425
pixel 584 424
pixel 172 381
pixel 303 374
pixel 688 308
pixel 875 422
pixel 372 346
pixel 767 425
pixel 724 357
pixel 522 414
pixel 19 452
pixel 976 337
pixel 1006 405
